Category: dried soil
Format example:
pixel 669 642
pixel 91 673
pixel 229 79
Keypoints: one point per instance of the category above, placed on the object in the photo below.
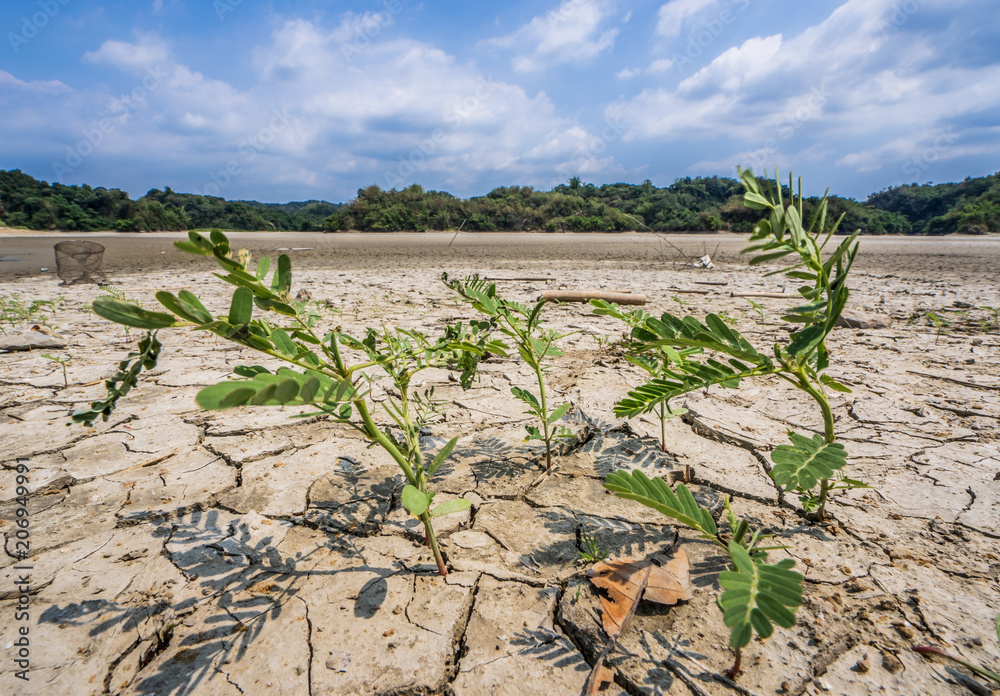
pixel 182 552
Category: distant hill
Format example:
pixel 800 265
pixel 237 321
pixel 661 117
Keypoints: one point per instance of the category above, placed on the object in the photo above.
pixel 689 204
pixel 37 205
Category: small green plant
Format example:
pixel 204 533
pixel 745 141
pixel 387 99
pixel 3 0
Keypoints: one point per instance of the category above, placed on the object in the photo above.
pixel 62 361
pixel 590 551
pixel 759 311
pixel 655 362
pixel 534 343
pixel 17 312
pixel 810 466
pixel 941 325
pixel 320 373
pixel 757 594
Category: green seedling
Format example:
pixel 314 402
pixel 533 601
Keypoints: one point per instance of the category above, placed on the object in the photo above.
pixel 590 551
pixel 941 325
pixel 810 466
pixel 759 311
pixel 655 362
pixel 319 373
pixel 992 322
pixel 534 343
pixel 62 361
pixel 757 595
pixel 17 312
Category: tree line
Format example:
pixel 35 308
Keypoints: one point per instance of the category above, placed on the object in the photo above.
pixel 38 205
pixel 687 205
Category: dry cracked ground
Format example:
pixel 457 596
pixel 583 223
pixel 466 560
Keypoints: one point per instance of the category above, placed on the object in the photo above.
pixel 176 551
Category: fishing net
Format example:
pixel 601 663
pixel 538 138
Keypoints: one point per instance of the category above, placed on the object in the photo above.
pixel 80 262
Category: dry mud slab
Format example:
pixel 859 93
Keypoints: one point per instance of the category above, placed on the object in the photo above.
pixel 175 551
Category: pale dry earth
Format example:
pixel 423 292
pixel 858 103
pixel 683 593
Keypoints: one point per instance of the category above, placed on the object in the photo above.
pixel 182 552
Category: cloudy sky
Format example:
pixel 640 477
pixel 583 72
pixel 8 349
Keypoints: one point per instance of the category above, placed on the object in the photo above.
pixel 310 99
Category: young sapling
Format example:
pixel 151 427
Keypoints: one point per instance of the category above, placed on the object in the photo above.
pixel 534 343
pixel 807 463
pixel 320 373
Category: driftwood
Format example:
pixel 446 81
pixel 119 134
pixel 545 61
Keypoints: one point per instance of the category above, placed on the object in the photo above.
pixel 776 295
pixel 528 279
pixel 621 298
pixel 683 291
pixel 711 282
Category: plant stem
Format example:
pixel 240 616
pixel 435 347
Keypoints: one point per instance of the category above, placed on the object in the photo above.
pixel 829 435
pixel 737 664
pixel 432 541
pixel 663 426
pixel 545 420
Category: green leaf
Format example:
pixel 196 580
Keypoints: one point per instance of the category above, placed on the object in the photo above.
pixel 241 308
pixel 834 384
pixel 414 501
pixel 526 396
pixel 275 306
pixel 756 201
pixel 560 412
pixel 286 387
pixel 218 237
pixel 189 248
pixel 127 314
pixel 656 494
pixel 174 305
pixel 282 281
pixel 801 465
pixel 757 596
pixel 263 266
pixel 451 506
pixel 283 343
pixel 442 456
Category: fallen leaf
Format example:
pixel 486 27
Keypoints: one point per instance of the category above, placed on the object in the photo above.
pixel 621 578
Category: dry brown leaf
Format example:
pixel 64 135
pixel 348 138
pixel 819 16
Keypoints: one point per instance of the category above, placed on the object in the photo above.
pixel 668 583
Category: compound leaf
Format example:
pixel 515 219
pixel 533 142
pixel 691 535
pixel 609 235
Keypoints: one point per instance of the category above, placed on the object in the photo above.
pixel 757 596
pixel 656 494
pixel 806 461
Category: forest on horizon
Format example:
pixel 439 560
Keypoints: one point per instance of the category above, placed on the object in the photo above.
pixel 691 204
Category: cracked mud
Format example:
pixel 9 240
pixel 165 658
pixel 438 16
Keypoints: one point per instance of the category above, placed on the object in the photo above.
pixel 176 551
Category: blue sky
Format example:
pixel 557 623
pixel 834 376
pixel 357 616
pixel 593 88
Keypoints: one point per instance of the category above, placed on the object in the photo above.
pixel 309 99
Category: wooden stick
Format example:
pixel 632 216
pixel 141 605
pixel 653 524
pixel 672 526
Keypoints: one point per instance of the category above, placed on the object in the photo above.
pixel 587 295
pixel 711 282
pixel 777 295
pixel 684 291
pixel 529 279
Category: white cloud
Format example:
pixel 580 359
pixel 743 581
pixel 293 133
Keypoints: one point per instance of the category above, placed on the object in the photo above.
pixel 573 32
pixel 324 103
pixel 845 82
pixel 675 13
pixel 147 52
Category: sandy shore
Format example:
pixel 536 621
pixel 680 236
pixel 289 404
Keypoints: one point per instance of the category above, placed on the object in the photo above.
pixel 182 551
